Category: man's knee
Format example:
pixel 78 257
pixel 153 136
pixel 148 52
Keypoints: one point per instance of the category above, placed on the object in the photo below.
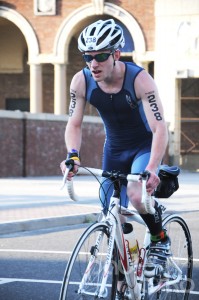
pixel 134 194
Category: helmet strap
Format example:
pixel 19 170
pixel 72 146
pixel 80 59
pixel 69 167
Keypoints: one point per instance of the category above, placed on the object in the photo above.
pixel 113 59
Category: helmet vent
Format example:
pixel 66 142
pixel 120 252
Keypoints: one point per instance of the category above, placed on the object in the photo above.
pixel 103 37
pixel 93 31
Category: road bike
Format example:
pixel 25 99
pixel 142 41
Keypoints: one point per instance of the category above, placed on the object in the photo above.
pixel 102 252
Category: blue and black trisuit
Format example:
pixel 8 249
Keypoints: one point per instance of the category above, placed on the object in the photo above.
pixel 128 138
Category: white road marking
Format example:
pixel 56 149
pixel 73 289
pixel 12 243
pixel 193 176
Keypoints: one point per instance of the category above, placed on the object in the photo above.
pixel 8 280
pixel 54 252
pixel 35 251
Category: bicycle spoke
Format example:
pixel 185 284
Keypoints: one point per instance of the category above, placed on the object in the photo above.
pixel 86 268
pixel 176 283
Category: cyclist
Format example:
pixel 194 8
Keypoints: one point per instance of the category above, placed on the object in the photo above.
pixel 129 104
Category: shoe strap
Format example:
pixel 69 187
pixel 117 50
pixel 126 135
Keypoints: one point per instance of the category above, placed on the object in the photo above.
pixel 160 247
pixel 156 238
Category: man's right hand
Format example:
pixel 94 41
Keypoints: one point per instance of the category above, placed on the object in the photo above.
pixel 63 166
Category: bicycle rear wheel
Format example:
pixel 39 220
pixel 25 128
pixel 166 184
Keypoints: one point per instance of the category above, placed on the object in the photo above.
pixel 181 260
pixel 91 250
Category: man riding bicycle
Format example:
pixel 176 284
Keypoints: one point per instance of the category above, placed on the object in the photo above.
pixel 129 104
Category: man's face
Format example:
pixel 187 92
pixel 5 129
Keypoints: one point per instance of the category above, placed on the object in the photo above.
pixel 100 63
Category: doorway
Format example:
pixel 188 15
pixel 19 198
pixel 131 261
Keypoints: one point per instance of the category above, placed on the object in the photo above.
pixel 190 123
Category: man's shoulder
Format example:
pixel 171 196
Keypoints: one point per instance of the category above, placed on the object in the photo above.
pixel 79 74
pixel 132 71
pixel 78 77
pixel 133 66
pixel 78 80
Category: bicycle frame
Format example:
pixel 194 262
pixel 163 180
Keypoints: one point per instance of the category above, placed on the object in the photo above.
pixel 116 236
pixel 134 275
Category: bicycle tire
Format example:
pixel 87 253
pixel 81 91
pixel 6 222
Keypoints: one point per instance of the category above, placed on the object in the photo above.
pixel 182 254
pixel 79 261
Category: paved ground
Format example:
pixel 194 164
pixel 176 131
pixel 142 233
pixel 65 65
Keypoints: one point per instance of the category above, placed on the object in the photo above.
pixel 38 202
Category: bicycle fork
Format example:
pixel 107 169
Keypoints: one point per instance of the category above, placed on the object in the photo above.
pixel 101 291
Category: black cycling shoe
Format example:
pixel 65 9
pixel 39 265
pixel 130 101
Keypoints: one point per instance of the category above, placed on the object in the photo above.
pixel 123 294
pixel 157 258
pixel 119 296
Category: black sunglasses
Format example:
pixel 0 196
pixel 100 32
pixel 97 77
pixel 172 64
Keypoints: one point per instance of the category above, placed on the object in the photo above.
pixel 98 57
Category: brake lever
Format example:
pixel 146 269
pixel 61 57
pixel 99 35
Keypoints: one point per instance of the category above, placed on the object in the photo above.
pixel 70 165
pixel 65 178
pixel 146 197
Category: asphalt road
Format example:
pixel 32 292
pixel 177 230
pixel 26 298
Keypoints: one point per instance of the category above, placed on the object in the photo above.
pixel 33 263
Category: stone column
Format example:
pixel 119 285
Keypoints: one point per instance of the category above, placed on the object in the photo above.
pixel 60 89
pixel 36 98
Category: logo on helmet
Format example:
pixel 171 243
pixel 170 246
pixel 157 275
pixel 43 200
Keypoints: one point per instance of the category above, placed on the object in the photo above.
pixel 90 39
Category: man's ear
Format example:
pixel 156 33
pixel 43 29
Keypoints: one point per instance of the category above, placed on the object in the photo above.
pixel 117 54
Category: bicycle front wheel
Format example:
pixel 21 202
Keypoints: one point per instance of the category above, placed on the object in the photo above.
pixel 85 269
pixel 179 266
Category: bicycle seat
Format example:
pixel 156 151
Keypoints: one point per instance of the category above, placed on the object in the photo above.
pixel 173 170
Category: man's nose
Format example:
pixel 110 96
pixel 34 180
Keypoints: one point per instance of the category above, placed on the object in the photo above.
pixel 94 63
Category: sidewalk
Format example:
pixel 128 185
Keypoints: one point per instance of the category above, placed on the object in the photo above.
pixel 37 203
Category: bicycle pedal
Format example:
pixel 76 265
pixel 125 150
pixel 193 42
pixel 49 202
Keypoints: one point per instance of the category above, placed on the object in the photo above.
pixel 152 270
pixel 167 276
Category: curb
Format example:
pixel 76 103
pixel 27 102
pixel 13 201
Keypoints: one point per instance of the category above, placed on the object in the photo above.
pixel 46 223
pixel 53 222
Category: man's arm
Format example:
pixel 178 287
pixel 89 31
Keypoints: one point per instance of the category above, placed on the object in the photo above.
pixel 146 90
pixel 73 132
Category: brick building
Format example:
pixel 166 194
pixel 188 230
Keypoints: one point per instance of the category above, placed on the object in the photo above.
pixel 39 56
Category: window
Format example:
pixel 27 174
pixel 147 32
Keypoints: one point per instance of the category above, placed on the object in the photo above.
pixel 45 7
pixel 22 104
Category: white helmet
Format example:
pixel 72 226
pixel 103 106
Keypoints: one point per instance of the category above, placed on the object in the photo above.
pixel 101 35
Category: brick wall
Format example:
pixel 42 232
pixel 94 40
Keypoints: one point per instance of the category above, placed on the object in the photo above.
pixel 11 146
pixel 46 28
pixel 33 145
pixel 143 12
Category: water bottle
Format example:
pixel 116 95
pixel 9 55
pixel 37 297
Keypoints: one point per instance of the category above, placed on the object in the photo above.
pixel 133 254
pixel 131 241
